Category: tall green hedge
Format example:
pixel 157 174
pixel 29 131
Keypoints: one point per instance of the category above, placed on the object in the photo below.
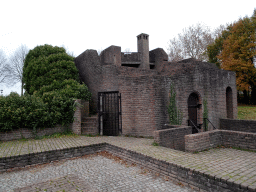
pixel 51 82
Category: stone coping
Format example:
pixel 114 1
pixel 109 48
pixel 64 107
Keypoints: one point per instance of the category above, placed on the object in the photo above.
pixel 221 169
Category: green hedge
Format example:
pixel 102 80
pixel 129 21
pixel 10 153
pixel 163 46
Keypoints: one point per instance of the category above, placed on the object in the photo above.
pixel 33 112
pixel 52 84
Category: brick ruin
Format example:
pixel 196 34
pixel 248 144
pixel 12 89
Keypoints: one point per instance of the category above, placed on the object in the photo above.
pixel 144 78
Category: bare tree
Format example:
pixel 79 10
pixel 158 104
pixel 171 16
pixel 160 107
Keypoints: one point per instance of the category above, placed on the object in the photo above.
pixel 191 43
pixel 127 51
pixel 70 53
pixel 218 31
pixel 16 64
pixel 5 70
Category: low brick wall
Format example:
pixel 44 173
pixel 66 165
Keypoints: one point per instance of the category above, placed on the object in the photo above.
pixel 239 139
pixel 47 156
pixel 202 141
pixel 190 177
pixel 28 133
pixel 177 173
pixel 238 125
pixel 172 137
pixel 210 139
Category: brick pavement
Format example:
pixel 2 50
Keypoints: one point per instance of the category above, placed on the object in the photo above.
pixel 235 165
pixel 90 173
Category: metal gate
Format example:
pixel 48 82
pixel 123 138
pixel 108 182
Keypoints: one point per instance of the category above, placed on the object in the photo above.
pixel 109 112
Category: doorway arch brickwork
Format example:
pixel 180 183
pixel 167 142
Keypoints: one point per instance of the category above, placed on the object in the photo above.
pixel 195 111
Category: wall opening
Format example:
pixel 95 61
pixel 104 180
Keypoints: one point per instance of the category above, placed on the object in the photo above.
pixel 229 103
pixel 194 117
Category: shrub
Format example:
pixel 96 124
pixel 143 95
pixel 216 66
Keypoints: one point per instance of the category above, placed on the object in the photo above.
pixel 51 81
pixel 22 111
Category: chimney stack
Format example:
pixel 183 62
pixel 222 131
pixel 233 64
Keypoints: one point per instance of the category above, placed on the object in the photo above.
pixel 143 49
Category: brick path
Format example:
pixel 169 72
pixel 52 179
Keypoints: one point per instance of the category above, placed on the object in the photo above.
pixel 96 173
pixel 235 165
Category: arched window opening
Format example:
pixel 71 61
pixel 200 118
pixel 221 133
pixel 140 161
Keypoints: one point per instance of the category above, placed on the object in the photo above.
pixel 229 103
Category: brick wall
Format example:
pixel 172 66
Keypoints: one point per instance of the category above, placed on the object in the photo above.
pixel 143 104
pixel 90 71
pixel 243 140
pixel 202 141
pixel 76 125
pixel 238 125
pixel 173 138
pixel 209 83
pixel 210 139
pixel 28 133
pixel 190 177
pixel 47 156
pixel 145 92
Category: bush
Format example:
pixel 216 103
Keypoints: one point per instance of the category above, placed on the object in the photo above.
pixel 51 81
pixel 34 112
pixel 22 111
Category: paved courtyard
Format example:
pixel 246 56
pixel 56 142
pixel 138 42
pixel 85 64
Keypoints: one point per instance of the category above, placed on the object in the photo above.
pixel 93 173
pixel 235 165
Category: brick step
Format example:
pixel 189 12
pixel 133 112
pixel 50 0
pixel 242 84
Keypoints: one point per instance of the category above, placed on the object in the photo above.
pixel 89 119
pixel 89 130
pixel 89 124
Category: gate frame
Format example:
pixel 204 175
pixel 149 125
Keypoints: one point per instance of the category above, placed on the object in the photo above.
pixel 101 111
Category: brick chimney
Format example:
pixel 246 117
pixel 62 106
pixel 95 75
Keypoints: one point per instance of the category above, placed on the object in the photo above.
pixel 143 49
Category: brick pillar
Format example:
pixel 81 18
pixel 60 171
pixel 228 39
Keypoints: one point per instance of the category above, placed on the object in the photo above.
pixel 76 126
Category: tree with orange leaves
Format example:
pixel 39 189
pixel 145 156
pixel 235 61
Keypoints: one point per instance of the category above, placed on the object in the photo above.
pixel 236 51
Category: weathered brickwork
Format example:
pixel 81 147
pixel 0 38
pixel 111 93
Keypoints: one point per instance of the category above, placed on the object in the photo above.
pixel 47 156
pixel 202 141
pixel 145 89
pixel 243 140
pixel 173 138
pixel 198 180
pixel 76 125
pixel 238 125
pixel 209 83
pixel 28 133
pixel 211 139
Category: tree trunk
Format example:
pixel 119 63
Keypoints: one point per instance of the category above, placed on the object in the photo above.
pixel 21 87
pixel 253 95
pixel 246 97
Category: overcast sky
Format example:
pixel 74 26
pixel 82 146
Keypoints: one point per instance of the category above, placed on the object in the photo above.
pixel 94 24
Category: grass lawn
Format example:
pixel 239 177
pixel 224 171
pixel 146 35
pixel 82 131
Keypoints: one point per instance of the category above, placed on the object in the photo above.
pixel 247 112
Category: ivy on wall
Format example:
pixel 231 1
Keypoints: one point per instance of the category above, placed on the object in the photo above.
pixel 175 115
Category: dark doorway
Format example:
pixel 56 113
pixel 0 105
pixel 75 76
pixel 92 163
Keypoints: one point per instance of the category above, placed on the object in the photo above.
pixel 109 112
pixel 193 105
pixel 229 103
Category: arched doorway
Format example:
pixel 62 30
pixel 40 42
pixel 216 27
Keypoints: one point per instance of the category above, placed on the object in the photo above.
pixel 229 103
pixel 193 106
